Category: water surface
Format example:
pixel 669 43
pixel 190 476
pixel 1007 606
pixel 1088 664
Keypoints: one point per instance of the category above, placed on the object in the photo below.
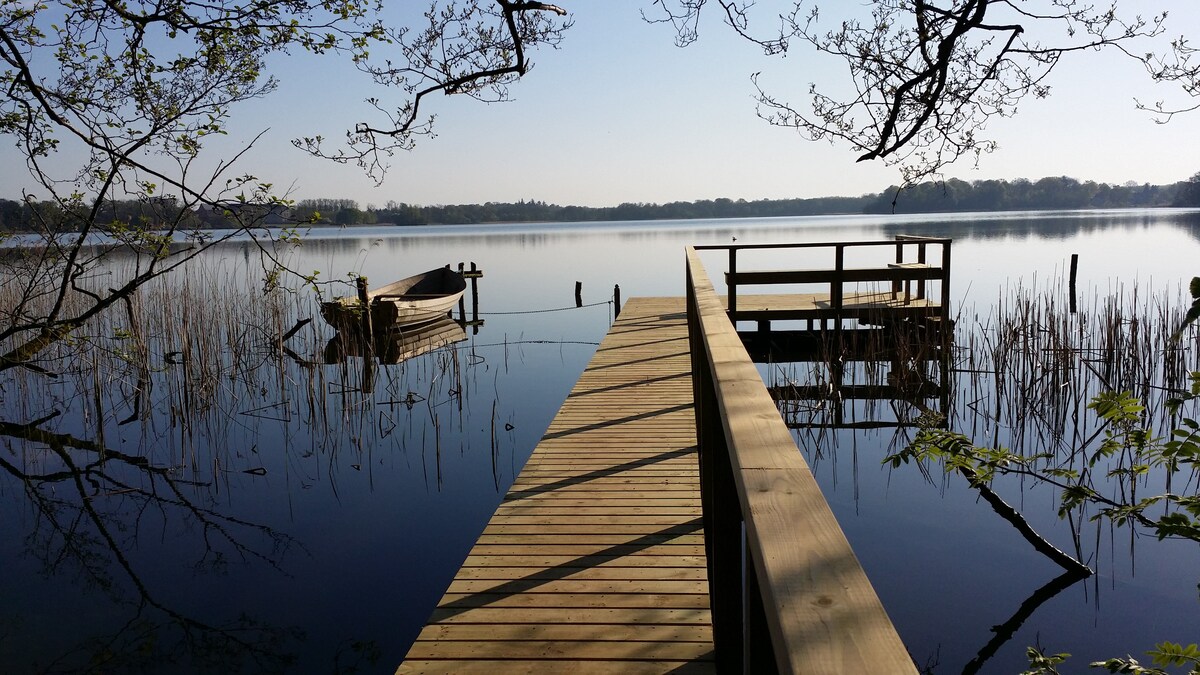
pixel 306 526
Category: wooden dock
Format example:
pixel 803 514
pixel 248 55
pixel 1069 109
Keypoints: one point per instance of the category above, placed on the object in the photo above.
pixel 595 560
pixel 666 523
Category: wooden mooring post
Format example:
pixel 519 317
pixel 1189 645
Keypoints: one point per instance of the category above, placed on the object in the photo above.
pixel 473 274
pixel 367 337
pixel 1071 283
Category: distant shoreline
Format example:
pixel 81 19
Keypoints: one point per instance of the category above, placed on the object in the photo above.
pixel 942 197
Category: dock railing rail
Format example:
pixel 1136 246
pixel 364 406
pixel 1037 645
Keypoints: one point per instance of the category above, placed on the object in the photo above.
pixel 787 593
pixel 901 273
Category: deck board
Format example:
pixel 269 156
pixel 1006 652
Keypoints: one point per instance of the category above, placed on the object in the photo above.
pixel 594 561
pixel 855 305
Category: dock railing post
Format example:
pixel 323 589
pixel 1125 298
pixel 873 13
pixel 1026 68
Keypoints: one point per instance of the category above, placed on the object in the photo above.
pixel 899 261
pixel 720 507
pixel 759 657
pixel 732 305
pixel 946 282
pixel 921 282
pixel 835 286
pixel 835 296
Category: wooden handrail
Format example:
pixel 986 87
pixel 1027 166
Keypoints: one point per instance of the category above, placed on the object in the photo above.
pixel 797 600
pixel 848 274
pixel 900 273
pixel 900 238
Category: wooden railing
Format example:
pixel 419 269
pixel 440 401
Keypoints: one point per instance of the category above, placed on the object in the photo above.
pixel 787 593
pixel 901 273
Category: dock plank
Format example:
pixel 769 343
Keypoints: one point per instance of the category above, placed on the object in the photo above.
pixel 594 561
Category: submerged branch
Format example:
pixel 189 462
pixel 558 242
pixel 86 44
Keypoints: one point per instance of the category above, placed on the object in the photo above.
pixel 1014 518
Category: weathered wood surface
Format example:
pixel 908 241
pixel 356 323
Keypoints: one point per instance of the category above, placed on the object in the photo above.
pixel 594 562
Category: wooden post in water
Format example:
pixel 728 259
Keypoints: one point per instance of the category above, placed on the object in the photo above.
pixel 474 275
pixel 616 300
pixel 1074 271
pixel 462 301
pixel 579 294
pixel 368 336
pixel 364 304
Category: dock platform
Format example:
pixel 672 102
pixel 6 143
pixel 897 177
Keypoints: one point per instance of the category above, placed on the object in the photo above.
pixel 594 562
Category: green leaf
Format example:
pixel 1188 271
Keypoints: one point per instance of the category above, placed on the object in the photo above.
pixel 1174 654
pixel 1129 665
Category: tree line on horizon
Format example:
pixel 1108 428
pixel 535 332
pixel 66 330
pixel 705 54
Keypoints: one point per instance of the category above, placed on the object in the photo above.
pixel 950 195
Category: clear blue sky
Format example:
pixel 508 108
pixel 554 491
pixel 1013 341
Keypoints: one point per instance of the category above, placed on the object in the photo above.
pixel 619 114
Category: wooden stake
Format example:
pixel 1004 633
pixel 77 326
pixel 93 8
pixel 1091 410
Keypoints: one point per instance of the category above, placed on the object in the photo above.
pixel 1074 271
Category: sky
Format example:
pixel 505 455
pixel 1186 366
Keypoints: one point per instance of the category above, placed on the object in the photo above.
pixel 620 114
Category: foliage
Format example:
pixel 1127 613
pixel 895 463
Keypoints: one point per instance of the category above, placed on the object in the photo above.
pixel 1193 313
pixel 1166 654
pixel 1041 663
pixel 1121 461
pixel 1188 194
pixel 1020 194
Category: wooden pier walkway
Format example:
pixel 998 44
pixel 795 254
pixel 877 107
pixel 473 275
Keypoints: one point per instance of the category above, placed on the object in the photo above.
pixel 594 563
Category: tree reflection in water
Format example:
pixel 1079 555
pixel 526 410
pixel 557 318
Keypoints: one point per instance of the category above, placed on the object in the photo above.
pixel 90 505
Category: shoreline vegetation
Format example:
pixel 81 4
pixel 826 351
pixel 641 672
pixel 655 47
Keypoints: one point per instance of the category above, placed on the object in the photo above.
pixel 946 196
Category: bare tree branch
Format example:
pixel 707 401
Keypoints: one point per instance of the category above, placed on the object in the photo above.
pixel 927 76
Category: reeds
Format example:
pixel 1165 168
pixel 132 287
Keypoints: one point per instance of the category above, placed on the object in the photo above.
pixel 195 369
pixel 1026 370
pixel 1020 372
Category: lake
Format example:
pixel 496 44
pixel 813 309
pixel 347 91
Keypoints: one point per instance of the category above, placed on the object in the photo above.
pixel 286 520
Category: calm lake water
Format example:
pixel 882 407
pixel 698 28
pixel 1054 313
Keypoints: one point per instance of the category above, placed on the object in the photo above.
pixel 287 521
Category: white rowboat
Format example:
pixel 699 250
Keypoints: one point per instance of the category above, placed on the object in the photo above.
pixel 420 296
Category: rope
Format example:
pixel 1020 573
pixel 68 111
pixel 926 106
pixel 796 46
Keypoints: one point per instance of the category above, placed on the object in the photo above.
pixel 527 342
pixel 543 311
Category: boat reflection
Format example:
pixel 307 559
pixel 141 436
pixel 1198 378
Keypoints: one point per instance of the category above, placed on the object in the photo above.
pixel 397 342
